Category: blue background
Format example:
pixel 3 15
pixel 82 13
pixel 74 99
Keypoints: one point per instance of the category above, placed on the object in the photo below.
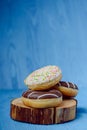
pixel 35 33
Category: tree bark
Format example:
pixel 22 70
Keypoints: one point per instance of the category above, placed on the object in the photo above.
pixel 63 113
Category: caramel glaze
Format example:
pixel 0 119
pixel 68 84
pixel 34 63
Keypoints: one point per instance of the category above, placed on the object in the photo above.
pixel 47 94
pixel 67 84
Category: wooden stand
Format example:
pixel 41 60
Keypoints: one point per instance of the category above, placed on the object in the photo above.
pixel 65 112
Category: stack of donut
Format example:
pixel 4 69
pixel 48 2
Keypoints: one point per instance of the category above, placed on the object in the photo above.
pixel 45 88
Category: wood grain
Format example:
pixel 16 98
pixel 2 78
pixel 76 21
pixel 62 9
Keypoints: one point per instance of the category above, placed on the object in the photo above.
pixel 65 112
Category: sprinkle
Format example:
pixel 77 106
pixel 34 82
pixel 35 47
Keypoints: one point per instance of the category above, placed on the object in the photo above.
pixel 44 78
pixel 35 78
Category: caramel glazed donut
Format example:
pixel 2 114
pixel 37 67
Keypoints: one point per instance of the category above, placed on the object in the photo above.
pixel 67 88
pixel 42 99
pixel 43 78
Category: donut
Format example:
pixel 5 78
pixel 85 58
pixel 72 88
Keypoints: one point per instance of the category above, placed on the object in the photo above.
pixel 42 99
pixel 43 78
pixel 67 88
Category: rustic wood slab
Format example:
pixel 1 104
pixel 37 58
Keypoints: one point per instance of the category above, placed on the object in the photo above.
pixel 65 112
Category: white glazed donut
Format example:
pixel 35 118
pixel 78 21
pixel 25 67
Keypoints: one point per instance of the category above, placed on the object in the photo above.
pixel 44 78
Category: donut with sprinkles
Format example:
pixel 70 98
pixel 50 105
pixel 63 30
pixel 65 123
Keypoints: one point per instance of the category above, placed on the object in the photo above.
pixel 43 78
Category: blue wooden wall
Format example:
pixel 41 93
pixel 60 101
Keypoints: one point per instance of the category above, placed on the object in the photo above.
pixel 35 33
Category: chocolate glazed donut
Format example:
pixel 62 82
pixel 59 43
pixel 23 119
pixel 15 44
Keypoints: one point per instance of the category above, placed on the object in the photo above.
pixel 68 85
pixel 67 88
pixel 42 99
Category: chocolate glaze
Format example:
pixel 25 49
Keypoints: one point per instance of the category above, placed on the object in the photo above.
pixel 53 93
pixel 68 85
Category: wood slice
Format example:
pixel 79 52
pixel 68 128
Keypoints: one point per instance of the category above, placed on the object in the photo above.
pixel 65 112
